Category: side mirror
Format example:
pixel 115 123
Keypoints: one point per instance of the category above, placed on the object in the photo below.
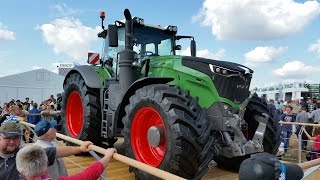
pixel 178 47
pixel 113 35
pixel 193 48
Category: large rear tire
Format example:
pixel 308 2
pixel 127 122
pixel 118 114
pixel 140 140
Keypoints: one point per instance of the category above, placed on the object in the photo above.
pixel 185 143
pixel 271 140
pixel 81 114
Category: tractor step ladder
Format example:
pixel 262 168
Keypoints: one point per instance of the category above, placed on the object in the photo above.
pixel 104 111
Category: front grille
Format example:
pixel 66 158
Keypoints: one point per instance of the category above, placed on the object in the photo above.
pixel 231 80
pixel 233 87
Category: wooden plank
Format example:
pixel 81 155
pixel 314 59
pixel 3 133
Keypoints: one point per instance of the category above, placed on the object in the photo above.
pixel 119 171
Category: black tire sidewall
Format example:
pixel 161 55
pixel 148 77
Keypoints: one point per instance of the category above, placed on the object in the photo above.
pixel 71 88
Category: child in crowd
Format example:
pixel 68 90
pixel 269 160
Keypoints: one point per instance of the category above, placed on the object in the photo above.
pixel 316 145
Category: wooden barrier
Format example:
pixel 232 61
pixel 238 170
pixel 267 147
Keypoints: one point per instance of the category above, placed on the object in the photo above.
pixel 134 163
pixel 309 164
pixel 301 124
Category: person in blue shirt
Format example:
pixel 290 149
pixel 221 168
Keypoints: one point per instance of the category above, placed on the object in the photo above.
pixel 287 129
pixel 33 119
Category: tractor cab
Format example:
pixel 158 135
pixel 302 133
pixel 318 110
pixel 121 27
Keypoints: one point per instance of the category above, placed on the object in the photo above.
pixel 148 41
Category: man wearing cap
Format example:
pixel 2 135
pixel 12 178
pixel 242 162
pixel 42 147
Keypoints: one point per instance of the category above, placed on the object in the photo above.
pixel 10 141
pixel 46 132
pixel 265 166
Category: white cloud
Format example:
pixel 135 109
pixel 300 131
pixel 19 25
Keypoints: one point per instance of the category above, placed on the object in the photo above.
pixel 64 10
pixel 36 67
pixel 69 36
pixel 205 53
pixel 5 34
pixel 315 47
pixel 295 70
pixel 260 55
pixel 256 20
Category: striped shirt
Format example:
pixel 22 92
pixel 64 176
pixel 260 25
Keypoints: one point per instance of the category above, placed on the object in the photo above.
pixel 11 118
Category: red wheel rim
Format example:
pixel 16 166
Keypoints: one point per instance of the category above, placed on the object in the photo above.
pixel 74 114
pixel 145 118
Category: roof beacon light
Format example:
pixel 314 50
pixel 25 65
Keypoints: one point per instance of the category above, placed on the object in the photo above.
pixel 102 14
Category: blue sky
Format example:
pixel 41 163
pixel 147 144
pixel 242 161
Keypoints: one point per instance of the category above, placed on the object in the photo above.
pixel 278 39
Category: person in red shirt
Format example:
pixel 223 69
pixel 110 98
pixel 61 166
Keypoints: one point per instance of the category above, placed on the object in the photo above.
pixel 31 162
pixel 316 145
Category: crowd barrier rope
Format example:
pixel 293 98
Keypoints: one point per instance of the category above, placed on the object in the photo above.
pixel 134 163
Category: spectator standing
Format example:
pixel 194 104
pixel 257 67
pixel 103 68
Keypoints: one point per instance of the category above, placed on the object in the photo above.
pixel 46 132
pixel 316 144
pixel 295 106
pixel 33 119
pixel 27 104
pixel 287 129
pixel 59 101
pixel 10 141
pixel 35 167
pixel 310 105
pixel 315 114
pixel 5 112
pixel 302 117
pixel 15 114
pixel 271 107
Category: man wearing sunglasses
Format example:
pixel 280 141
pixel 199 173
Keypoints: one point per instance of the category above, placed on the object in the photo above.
pixel 10 141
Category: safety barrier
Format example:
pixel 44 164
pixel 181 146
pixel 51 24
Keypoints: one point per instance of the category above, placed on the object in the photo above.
pixel 309 166
pixel 134 163
pixel 312 165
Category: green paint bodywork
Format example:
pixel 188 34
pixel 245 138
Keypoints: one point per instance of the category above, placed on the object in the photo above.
pixel 197 83
pixel 102 74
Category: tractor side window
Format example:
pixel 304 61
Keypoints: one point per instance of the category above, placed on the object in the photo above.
pixel 151 48
pixel 113 51
pixel 165 47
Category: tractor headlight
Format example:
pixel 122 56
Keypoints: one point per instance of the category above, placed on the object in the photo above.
pixel 172 28
pixel 138 20
pixel 141 21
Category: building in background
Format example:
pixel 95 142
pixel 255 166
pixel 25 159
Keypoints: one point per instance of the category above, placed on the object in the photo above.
pixel 290 91
pixel 38 85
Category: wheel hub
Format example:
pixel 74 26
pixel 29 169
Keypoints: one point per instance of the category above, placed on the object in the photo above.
pixel 155 136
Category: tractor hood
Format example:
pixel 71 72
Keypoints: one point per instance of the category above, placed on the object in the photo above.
pixel 231 80
pixel 196 61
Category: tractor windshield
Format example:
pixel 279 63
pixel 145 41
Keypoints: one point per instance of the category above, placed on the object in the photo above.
pixel 148 41
pixel 152 41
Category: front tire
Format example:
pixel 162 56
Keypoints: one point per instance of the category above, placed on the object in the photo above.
pixel 185 145
pixel 81 114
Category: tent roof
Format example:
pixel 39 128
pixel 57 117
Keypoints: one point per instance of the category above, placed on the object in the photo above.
pixel 39 78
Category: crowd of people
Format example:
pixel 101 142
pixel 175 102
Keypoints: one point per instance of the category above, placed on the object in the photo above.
pixel 40 160
pixel 301 111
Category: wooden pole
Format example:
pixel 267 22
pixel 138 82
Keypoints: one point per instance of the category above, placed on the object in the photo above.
pixel 302 124
pixel 134 163
pixel 309 164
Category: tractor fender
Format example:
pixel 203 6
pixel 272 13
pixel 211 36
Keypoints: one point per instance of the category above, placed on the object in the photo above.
pixel 89 75
pixel 136 85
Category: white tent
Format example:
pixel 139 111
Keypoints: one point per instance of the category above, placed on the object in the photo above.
pixel 38 85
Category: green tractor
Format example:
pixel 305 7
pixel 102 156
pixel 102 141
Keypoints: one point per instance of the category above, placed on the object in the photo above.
pixel 176 113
